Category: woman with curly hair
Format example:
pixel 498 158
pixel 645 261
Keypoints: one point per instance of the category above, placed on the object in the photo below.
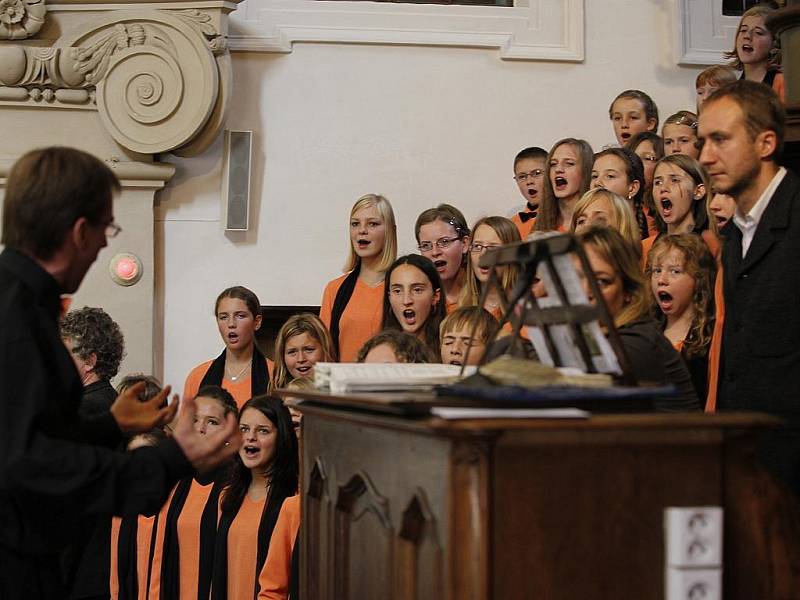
pixel 392 346
pixel 682 271
pixel 97 347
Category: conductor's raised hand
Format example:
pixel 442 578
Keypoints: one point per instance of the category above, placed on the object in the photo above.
pixel 205 450
pixel 136 416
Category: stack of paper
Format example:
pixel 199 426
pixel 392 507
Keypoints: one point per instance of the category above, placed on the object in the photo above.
pixel 341 378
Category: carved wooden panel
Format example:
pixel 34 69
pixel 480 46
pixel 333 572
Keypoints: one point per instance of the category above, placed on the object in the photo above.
pixel 418 566
pixel 317 524
pixel 363 540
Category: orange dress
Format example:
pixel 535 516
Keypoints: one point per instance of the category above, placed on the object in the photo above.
pixel 188 528
pixel 361 319
pixel 154 589
pixel 144 532
pixel 273 581
pixel 241 390
pixel 715 351
pixel 243 549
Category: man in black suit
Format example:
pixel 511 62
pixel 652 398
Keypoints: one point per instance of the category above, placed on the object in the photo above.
pixel 56 467
pixel 741 129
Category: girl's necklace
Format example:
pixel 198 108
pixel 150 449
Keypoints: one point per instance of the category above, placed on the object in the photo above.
pixel 239 374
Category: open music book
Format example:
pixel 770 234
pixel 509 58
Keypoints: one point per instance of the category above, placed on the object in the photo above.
pixel 341 378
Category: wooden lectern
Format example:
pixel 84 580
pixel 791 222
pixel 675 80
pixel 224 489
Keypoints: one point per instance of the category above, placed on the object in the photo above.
pixel 398 507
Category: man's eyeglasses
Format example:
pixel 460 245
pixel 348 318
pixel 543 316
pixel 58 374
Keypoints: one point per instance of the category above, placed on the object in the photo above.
pixel 441 243
pixel 535 174
pixel 113 230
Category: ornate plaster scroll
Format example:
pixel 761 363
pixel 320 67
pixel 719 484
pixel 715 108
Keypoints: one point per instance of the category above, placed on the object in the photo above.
pixel 160 80
pixel 21 19
pixel 155 75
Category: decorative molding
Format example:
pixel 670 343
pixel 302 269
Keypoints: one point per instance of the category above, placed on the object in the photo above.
pixel 703 32
pixel 160 80
pixel 130 174
pixel 542 30
pixel 204 25
pixel 21 19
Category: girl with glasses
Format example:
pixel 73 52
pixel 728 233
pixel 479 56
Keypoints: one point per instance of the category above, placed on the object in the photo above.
pixel 443 237
pixel 489 232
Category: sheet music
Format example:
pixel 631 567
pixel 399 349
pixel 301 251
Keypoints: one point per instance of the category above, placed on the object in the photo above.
pixel 454 413
pixel 341 378
pixel 603 357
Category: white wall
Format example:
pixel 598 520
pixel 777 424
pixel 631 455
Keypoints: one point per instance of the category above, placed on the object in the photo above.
pixel 419 125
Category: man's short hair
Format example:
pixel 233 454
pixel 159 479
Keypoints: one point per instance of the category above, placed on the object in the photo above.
pixel 48 190
pixel 761 107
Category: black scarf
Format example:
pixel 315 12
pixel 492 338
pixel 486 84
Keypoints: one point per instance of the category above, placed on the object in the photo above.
pixel 343 295
pixel 259 376
pixel 294 579
pixel 170 555
pixel 269 517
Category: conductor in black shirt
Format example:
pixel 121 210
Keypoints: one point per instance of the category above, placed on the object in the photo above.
pixel 56 467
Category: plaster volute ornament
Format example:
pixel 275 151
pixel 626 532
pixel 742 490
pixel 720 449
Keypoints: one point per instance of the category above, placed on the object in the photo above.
pixel 155 76
pixel 160 79
pixel 21 19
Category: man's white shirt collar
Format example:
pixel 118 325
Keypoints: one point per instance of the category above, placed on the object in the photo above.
pixel 748 223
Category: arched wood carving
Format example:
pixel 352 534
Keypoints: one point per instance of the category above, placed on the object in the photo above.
pixel 363 542
pixel 317 522
pixel 418 566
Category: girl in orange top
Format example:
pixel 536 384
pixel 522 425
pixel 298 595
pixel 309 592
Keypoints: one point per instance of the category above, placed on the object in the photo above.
pixel 681 271
pixel 302 342
pixel 413 301
pixel 131 536
pixel 276 579
pixel 241 368
pixel 352 304
pixel 443 237
pixel 183 555
pixel 569 175
pixel 649 147
pixel 621 171
pixel 262 477
pixel 489 232
pixel 681 192
pixel 757 53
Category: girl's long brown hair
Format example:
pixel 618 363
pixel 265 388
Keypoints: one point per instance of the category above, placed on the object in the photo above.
pixel 700 265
